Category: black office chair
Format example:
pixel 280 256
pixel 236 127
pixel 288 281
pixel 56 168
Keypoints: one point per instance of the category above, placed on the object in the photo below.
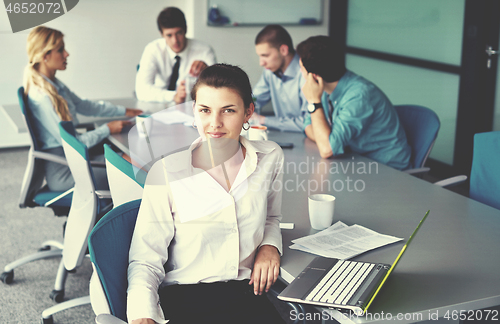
pixel 35 194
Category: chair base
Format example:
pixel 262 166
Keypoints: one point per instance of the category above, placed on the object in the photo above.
pixel 42 254
pixel 45 252
pixel 47 314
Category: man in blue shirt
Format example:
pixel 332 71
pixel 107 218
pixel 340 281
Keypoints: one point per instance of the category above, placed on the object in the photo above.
pixel 347 110
pixel 280 82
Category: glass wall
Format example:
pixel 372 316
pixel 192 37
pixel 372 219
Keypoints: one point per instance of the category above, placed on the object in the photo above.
pixel 496 118
pixel 425 29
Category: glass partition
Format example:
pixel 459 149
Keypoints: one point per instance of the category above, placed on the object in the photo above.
pixel 424 29
pixel 496 118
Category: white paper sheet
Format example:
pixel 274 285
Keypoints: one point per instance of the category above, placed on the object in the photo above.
pixel 174 117
pixel 342 242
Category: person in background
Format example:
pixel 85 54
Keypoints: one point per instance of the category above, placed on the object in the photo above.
pixel 346 110
pixel 51 102
pixel 207 235
pixel 168 64
pixel 280 82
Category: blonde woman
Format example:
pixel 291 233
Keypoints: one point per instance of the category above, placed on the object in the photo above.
pixel 51 101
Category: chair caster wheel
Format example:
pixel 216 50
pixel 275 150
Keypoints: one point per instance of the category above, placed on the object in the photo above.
pixel 57 295
pixel 7 277
pixel 49 320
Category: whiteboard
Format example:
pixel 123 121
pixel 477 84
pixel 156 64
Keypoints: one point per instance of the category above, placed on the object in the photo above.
pixel 264 12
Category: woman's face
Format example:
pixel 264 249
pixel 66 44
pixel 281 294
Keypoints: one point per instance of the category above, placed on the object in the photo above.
pixel 56 58
pixel 220 112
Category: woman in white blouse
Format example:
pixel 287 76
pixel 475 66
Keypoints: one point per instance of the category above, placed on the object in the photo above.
pixel 206 246
pixel 50 102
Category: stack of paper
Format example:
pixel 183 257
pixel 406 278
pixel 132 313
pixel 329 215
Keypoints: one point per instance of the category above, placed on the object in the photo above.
pixel 342 242
pixel 169 117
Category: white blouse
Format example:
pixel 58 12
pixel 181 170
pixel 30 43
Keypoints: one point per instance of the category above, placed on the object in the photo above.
pixel 200 232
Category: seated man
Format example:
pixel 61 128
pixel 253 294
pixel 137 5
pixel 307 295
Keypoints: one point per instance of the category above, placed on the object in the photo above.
pixel 168 61
pixel 348 110
pixel 280 82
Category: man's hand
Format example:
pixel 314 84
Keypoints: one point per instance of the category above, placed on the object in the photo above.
pixel 266 269
pixel 116 126
pixel 131 112
pixel 313 88
pixel 197 67
pixel 180 95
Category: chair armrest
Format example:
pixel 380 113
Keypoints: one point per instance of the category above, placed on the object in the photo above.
pixel 98 164
pixel 417 170
pixel 86 126
pixel 108 319
pixel 450 182
pixel 103 194
pixel 50 157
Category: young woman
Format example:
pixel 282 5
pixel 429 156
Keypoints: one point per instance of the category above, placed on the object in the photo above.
pixel 207 243
pixel 51 102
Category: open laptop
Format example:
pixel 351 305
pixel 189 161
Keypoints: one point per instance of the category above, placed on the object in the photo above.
pixel 343 284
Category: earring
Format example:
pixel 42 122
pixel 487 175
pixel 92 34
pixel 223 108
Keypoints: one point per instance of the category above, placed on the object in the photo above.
pixel 45 60
pixel 248 126
pixel 194 125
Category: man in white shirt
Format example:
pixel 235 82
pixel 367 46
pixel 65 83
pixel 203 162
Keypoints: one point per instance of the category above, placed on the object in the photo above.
pixel 168 62
pixel 280 82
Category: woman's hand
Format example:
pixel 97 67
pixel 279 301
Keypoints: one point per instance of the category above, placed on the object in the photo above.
pixel 266 269
pixel 143 321
pixel 116 126
pixel 131 112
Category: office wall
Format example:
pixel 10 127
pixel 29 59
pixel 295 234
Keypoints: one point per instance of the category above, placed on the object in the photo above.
pixel 105 40
pixel 235 45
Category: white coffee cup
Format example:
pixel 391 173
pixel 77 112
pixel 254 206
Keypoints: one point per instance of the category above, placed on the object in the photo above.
pixel 144 124
pixel 321 209
pixel 257 133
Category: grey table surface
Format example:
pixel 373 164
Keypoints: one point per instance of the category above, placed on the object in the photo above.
pixel 451 265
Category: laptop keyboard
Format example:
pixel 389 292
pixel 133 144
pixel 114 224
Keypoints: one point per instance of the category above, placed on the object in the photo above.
pixel 341 282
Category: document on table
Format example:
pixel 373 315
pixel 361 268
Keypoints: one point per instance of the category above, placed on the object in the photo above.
pixel 169 117
pixel 342 242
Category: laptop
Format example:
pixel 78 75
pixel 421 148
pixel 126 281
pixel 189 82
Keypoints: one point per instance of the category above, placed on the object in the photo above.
pixel 343 284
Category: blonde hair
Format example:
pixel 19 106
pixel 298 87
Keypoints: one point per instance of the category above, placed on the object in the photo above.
pixel 42 40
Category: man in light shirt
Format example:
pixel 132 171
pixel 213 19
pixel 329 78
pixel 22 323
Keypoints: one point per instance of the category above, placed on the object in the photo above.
pixel 280 82
pixel 170 64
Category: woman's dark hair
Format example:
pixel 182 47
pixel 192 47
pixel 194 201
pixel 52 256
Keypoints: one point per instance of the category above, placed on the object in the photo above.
pixel 171 17
pixel 225 76
pixel 320 55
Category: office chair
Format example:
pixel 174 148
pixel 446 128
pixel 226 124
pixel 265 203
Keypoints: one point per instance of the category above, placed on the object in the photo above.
pixel 34 193
pixel 421 126
pixel 126 182
pixel 87 206
pixel 485 171
pixel 109 243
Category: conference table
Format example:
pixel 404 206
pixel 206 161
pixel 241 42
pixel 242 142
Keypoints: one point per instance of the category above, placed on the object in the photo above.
pixel 452 264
